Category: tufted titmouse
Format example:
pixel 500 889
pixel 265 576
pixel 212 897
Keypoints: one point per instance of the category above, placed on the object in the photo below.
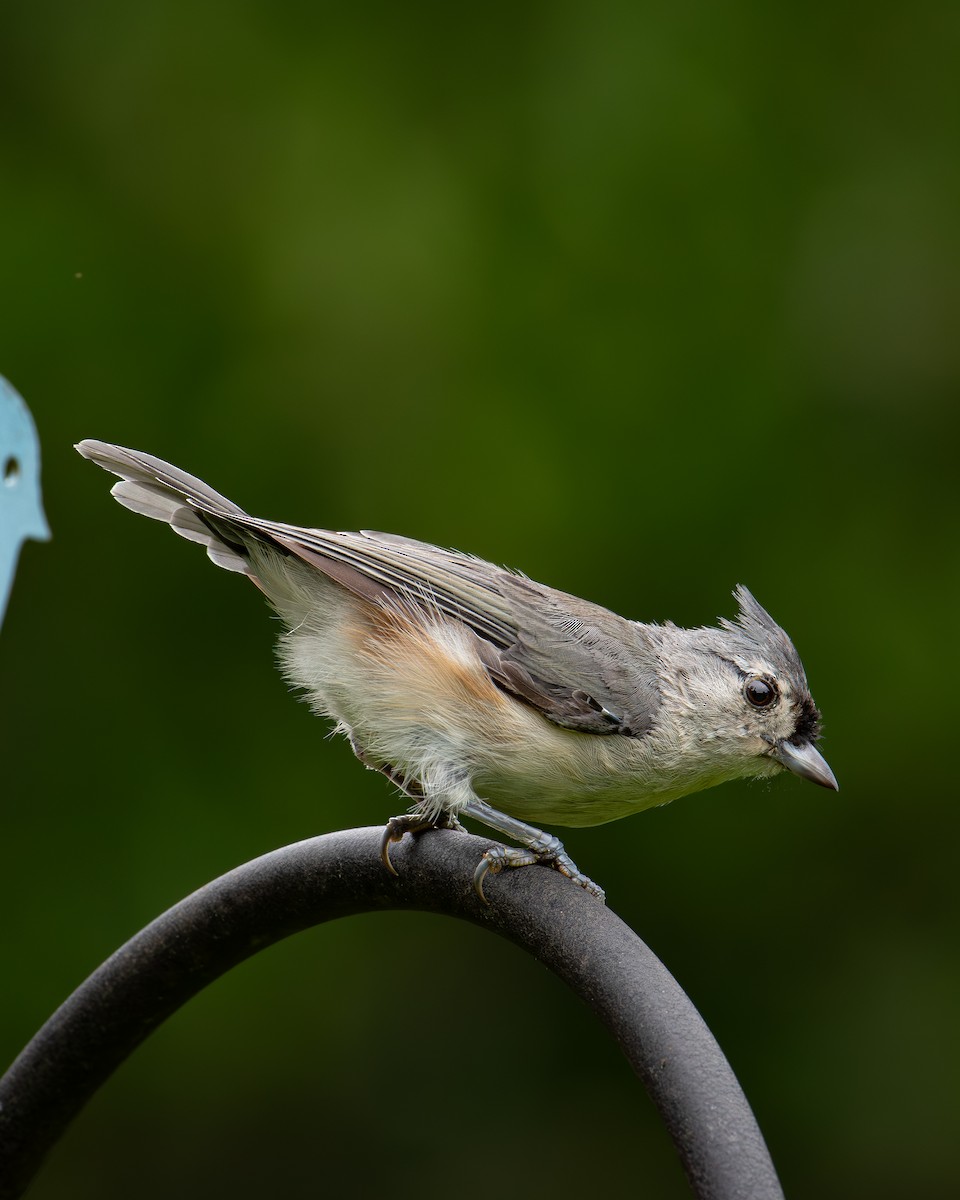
pixel 481 693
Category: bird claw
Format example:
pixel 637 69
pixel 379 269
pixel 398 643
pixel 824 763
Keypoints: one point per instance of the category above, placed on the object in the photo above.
pixel 393 832
pixel 543 848
pixel 498 857
pixel 396 827
pixel 493 862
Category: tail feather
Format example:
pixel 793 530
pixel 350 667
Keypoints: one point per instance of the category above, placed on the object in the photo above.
pixel 156 489
pixel 138 467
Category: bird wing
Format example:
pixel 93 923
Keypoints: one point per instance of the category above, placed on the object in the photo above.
pixel 582 666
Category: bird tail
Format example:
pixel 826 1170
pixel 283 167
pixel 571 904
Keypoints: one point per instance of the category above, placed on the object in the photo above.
pixel 163 492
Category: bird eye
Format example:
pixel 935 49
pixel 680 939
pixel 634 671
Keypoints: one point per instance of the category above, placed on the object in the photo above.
pixel 760 693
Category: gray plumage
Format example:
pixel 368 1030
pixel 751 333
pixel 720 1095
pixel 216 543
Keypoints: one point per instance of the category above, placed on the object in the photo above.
pixel 466 682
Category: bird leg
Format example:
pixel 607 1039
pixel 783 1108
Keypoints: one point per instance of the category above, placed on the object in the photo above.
pixel 538 847
pixel 396 827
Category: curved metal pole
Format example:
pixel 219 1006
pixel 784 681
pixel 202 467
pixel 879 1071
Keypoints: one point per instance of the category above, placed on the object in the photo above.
pixel 339 874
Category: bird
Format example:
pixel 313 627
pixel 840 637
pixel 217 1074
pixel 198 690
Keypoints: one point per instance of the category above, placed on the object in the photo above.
pixel 480 693
pixel 21 509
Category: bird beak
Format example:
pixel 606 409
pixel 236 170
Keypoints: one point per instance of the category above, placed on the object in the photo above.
pixel 806 761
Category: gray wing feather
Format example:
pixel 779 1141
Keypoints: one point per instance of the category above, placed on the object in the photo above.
pixel 581 665
pixel 595 670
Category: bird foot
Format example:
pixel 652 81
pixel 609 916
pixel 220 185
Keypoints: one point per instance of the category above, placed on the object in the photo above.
pixel 551 853
pixel 396 827
pixel 538 847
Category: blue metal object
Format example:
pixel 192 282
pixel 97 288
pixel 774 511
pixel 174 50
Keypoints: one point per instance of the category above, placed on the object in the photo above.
pixel 21 509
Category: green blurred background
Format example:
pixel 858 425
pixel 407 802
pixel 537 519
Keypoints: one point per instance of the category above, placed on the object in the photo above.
pixel 645 299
